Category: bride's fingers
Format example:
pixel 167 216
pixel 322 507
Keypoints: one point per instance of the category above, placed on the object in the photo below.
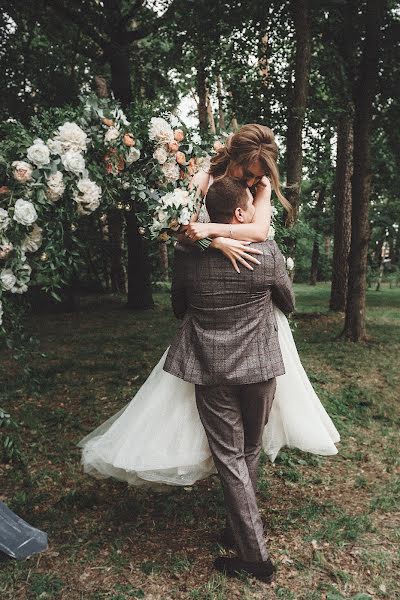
pixel 245 263
pixel 250 249
pixel 234 264
pixel 250 258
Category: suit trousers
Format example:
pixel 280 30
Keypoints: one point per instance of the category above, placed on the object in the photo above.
pixel 234 417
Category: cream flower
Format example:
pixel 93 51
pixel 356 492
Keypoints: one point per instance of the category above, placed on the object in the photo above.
pixel 133 156
pixel 5 249
pixel 160 131
pixel 160 155
pixel 24 212
pixel 55 186
pixel 33 240
pixel 23 275
pixel 111 134
pixel 38 153
pixel 87 196
pixel 22 171
pixel 289 263
pixel 55 146
pixel 4 219
pixel 73 162
pixel 7 280
pixel 170 171
pixel 71 137
pixel 184 217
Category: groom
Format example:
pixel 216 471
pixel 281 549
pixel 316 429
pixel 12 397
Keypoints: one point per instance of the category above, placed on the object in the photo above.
pixel 228 347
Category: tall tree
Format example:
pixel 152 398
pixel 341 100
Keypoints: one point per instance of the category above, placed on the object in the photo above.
pixel 354 328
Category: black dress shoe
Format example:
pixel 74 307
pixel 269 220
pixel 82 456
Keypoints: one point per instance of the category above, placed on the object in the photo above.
pixel 232 567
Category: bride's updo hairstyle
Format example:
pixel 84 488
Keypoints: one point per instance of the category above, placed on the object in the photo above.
pixel 252 143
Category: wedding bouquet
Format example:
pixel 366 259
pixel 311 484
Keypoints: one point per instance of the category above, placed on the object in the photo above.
pixel 172 211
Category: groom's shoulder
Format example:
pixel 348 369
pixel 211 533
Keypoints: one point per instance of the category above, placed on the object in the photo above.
pixel 267 247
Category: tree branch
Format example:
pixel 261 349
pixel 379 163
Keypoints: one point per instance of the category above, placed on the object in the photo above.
pixel 79 20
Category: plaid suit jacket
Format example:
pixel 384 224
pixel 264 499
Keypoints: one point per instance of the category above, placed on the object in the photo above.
pixel 229 334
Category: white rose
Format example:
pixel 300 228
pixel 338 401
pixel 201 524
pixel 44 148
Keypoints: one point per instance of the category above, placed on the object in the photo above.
pixel 4 219
pixel 170 171
pixel 271 232
pixel 71 137
pixel 1 312
pixel 55 186
pixel 184 217
pixel 55 147
pixel 33 240
pixel 23 276
pixel 181 198
pixel 160 130
pixel 73 162
pixel 39 153
pixel 5 249
pixel 22 171
pixel 87 196
pixel 7 279
pixel 290 264
pixel 112 134
pixel 24 212
pixel 133 156
pixel 160 155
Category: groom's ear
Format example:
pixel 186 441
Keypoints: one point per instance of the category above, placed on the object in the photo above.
pixel 239 214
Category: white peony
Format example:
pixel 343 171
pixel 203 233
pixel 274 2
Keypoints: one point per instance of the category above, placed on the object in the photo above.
pixel 55 186
pixel 7 279
pixel 289 263
pixel 112 134
pixel 160 155
pixel 184 217
pixel 87 196
pixel 73 162
pixel 71 137
pixel 39 153
pixel 55 147
pixel 22 171
pixel 170 171
pixel 33 240
pixel 4 219
pixel 24 212
pixel 133 156
pixel 1 312
pixel 160 131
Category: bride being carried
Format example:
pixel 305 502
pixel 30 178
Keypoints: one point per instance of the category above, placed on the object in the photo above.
pixel 158 438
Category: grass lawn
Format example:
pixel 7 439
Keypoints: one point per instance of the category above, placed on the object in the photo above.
pixel 332 523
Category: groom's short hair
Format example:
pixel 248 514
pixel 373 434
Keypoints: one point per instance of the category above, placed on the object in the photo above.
pixel 224 196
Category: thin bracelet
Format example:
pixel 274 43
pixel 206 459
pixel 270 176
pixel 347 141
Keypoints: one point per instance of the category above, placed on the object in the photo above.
pixel 230 231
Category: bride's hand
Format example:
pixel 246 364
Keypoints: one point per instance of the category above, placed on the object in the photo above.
pixel 197 231
pixel 237 251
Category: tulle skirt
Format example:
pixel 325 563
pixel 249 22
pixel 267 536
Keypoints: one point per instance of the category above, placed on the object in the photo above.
pixel 158 437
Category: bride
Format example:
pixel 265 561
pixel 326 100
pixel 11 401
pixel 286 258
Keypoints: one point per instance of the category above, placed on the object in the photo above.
pixel 158 437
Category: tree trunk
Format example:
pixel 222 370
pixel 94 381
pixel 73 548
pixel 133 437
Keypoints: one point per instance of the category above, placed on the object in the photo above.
pixel 115 230
pixel 210 115
pixel 118 57
pixel 298 102
pixel 163 253
pixel 202 94
pixel 354 328
pixel 139 284
pixel 342 223
pixel 221 116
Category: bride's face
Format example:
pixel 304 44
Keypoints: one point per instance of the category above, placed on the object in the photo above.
pixel 251 174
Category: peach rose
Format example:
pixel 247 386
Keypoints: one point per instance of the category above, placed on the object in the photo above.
pixel 22 171
pixel 4 189
pixel 108 122
pixel 179 135
pixel 180 158
pixel 217 145
pixel 129 140
pixel 173 146
pixel 192 167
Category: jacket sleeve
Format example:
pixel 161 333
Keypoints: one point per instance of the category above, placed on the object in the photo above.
pixel 178 287
pixel 282 289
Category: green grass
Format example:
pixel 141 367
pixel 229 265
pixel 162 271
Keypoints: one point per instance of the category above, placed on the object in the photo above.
pixel 331 521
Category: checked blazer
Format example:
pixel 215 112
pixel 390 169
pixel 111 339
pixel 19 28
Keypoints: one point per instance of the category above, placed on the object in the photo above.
pixel 229 334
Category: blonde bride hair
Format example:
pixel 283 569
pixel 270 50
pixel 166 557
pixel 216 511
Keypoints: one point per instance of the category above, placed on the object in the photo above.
pixel 252 143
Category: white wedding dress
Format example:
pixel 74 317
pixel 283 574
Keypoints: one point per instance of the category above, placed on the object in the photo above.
pixel 158 437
